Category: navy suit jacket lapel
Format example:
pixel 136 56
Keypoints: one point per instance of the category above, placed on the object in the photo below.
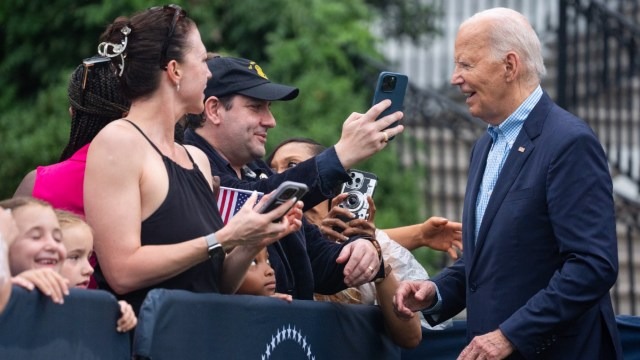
pixel 522 148
pixel 476 171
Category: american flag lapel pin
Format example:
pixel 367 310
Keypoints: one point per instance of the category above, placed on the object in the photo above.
pixel 521 149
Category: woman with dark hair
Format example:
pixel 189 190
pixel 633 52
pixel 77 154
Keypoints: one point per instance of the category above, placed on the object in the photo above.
pixel 95 100
pixel 150 199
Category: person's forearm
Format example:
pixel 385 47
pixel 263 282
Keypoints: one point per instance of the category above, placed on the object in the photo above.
pixel 235 267
pixel 151 264
pixel 406 333
pixel 331 171
pixel 25 188
pixel 407 236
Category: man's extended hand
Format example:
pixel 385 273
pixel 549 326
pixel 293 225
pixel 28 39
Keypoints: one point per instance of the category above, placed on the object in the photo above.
pixel 412 296
pixel 491 346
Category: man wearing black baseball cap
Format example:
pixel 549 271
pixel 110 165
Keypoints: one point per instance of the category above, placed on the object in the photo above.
pixel 244 77
pixel 232 131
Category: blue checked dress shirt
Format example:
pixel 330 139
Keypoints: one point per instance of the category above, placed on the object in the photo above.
pixel 503 135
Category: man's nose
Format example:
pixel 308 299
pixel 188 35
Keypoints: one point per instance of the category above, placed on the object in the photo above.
pixel 268 120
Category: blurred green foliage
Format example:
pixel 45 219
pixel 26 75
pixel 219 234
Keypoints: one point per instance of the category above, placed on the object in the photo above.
pixel 325 47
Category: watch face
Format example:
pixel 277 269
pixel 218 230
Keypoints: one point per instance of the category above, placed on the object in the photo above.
pixel 217 254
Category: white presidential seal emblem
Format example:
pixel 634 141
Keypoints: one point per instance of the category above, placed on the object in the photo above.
pixel 293 336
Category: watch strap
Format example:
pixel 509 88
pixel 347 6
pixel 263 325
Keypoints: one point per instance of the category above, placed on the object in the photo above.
pixel 212 243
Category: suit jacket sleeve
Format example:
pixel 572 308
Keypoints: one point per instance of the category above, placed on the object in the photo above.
pixel 328 275
pixel 452 303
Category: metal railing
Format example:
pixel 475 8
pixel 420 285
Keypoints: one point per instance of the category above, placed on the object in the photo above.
pixel 598 79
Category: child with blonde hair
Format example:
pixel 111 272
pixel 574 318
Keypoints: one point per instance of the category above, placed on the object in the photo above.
pixel 37 253
pixel 78 239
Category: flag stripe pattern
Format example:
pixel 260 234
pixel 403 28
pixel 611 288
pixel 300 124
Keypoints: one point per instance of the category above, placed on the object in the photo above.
pixel 230 201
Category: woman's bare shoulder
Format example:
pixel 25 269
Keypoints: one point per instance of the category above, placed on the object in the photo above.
pixel 201 159
pixel 197 154
pixel 119 143
pixel 117 132
pixel 119 136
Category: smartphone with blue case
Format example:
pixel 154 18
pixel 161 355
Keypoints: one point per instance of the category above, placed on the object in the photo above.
pixel 392 86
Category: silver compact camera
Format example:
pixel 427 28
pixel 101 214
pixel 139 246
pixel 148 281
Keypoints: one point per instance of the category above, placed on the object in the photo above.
pixel 362 183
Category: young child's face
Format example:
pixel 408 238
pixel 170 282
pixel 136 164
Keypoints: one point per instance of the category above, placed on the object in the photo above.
pixel 260 278
pixel 39 240
pixel 78 240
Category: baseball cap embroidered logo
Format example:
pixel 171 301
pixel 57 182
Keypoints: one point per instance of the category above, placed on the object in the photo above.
pixel 258 70
pixel 245 77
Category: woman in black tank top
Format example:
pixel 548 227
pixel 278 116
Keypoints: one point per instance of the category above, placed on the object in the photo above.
pixel 150 200
pixel 188 211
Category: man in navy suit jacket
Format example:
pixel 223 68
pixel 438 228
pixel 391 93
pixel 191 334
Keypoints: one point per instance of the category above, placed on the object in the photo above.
pixel 538 225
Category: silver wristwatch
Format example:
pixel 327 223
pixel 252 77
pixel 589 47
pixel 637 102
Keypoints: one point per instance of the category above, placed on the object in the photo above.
pixel 213 246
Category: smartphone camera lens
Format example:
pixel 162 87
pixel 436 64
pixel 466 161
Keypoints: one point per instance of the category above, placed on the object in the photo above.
pixel 389 83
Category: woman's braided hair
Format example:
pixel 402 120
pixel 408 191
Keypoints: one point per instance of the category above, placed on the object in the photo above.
pixel 93 108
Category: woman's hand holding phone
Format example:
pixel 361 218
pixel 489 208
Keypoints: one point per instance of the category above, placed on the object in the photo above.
pixel 250 227
pixel 286 191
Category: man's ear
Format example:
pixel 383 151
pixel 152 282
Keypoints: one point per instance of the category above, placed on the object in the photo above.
pixel 212 110
pixel 512 66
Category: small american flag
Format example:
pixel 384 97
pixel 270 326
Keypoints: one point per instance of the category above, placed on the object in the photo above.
pixel 231 200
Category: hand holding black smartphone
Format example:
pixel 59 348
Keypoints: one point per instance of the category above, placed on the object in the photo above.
pixel 392 86
pixel 286 191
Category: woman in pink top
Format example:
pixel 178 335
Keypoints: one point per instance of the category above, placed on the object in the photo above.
pixel 61 184
pixel 95 100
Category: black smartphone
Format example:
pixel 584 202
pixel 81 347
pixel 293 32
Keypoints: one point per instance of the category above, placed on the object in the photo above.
pixel 361 185
pixel 392 86
pixel 286 191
